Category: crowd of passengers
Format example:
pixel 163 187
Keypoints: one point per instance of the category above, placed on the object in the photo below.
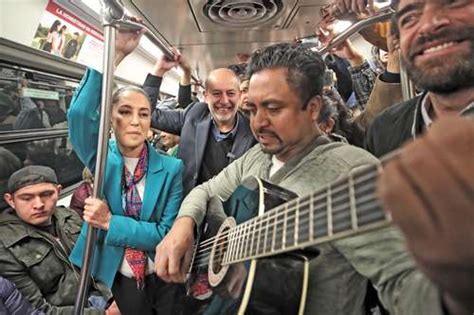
pixel 283 117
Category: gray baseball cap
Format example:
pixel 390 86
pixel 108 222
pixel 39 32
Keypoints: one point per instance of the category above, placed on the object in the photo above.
pixel 31 175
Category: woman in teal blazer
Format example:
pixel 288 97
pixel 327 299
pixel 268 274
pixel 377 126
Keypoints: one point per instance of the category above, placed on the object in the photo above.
pixel 142 191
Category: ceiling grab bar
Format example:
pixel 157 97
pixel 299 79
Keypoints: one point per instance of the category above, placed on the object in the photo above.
pixel 408 88
pixel 120 19
pixel 380 16
pixel 113 17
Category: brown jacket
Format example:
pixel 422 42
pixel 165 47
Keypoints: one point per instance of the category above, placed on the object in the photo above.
pixel 382 97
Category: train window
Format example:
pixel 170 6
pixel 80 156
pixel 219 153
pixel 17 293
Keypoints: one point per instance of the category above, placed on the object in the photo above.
pixel 33 100
pixel 56 153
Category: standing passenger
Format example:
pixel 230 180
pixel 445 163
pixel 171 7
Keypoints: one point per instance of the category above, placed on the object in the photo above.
pixel 285 103
pixel 58 40
pixel 213 134
pixel 142 190
pixel 437 49
pixel 52 33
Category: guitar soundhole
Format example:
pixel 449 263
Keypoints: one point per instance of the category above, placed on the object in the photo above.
pixel 217 270
pixel 221 247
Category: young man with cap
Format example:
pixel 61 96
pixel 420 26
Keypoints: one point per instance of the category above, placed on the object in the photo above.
pixel 36 238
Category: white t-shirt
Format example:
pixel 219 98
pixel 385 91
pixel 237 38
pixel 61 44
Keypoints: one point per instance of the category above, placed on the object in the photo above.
pixel 130 164
pixel 276 165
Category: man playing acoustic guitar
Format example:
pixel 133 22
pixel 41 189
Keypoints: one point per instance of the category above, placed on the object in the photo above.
pixel 284 103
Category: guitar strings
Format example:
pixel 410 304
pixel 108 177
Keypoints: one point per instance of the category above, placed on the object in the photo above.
pixel 321 195
pixel 369 203
pixel 298 203
pixel 368 169
pixel 253 247
pixel 204 260
pixel 285 217
pixel 293 242
pixel 243 234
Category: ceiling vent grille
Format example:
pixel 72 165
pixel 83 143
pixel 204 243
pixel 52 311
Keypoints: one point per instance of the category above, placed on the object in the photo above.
pixel 242 13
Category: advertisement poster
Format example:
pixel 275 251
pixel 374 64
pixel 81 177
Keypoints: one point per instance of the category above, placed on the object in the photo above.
pixel 63 34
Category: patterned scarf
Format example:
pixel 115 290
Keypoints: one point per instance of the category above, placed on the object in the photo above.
pixel 136 259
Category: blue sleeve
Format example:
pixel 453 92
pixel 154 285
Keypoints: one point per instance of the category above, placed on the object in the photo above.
pixel 83 118
pixel 17 304
pixel 125 231
pixel 13 301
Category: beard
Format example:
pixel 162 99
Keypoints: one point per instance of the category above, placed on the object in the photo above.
pixel 224 117
pixel 272 151
pixel 275 149
pixel 447 75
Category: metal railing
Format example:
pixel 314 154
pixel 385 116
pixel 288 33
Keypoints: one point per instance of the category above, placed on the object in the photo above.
pixel 380 16
pixel 113 18
pixel 114 13
pixel 408 88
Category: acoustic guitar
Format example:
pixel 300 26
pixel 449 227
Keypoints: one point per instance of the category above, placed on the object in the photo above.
pixel 267 220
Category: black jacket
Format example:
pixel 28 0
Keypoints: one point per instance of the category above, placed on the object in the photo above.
pixel 152 86
pixel 394 126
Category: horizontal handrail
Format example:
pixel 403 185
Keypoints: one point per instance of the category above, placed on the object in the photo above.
pixel 26 135
pixel 380 16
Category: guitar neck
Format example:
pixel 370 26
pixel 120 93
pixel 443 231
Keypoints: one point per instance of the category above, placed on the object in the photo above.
pixel 346 207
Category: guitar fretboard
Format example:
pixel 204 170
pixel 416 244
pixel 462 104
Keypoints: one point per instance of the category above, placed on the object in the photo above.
pixel 345 207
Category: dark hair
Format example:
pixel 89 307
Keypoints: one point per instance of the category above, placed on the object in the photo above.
pixel 328 110
pixel 129 88
pixel 305 67
pixel 239 69
pixel 54 27
pixel 344 125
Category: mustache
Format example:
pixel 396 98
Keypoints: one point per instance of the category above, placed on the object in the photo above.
pixel 262 132
pixel 443 35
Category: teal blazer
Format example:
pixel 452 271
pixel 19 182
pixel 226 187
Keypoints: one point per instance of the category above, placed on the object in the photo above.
pixel 161 200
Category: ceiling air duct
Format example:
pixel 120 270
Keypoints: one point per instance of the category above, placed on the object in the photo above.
pixel 242 13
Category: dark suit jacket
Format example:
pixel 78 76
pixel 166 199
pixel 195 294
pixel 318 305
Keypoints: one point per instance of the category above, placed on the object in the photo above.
pixel 193 126
pixel 152 87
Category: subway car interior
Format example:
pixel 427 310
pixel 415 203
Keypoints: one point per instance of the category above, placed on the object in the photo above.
pixel 237 157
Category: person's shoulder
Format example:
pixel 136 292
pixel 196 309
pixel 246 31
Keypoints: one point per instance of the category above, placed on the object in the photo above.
pixel 8 216
pixel 12 228
pixel 197 110
pixel 396 112
pixel 244 122
pixel 114 151
pixel 253 154
pixel 66 214
pixel 343 154
pixel 170 161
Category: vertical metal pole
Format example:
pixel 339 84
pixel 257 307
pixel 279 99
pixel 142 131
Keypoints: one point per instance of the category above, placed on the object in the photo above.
pixel 102 146
pixel 408 88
